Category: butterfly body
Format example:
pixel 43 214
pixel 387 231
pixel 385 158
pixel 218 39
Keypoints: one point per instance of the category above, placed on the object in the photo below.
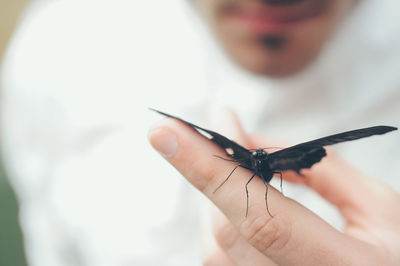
pixel 260 165
pixel 295 158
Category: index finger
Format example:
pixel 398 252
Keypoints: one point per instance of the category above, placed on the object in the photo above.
pixel 292 236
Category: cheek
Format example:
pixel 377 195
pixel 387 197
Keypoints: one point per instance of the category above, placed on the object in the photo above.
pixel 340 9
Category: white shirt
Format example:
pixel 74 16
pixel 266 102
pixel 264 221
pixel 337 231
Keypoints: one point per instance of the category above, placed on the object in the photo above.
pixel 78 78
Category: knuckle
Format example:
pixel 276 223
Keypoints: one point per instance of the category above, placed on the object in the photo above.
pixel 268 235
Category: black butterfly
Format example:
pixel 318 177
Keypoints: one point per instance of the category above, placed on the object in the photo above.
pixel 300 156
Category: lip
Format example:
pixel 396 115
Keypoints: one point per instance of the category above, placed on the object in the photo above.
pixel 273 18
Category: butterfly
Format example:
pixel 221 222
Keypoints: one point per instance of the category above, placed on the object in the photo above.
pixel 297 157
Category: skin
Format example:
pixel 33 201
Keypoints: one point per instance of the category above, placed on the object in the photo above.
pixel 302 40
pixel 295 235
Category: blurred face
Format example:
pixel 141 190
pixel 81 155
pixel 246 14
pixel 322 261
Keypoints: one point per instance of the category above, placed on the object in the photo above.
pixel 273 37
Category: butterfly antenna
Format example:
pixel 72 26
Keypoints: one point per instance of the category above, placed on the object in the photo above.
pixel 247 194
pixel 225 159
pixel 266 198
pixel 226 179
pixel 267 148
pixel 272 148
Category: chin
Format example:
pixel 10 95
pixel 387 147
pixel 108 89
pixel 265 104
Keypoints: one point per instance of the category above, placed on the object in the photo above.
pixel 276 62
pixel 273 70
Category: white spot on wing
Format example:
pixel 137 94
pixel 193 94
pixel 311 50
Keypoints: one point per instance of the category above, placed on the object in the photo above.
pixel 229 151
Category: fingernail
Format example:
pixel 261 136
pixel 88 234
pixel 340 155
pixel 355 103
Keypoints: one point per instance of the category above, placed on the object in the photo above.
pixel 164 141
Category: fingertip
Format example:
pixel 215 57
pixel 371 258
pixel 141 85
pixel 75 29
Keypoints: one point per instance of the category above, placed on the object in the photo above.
pixel 225 234
pixel 218 258
pixel 226 122
pixel 163 140
pixel 219 113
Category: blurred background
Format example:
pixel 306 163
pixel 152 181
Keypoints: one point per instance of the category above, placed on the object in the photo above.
pixel 11 242
pixel 10 11
pixel 74 53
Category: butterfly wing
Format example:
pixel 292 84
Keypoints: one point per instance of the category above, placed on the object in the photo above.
pixel 231 148
pixel 304 155
pixel 349 135
pixel 296 158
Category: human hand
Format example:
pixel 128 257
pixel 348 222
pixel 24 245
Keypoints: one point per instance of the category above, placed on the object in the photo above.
pixel 295 235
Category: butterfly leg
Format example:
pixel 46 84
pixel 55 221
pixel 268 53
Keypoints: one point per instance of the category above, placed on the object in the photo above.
pixel 266 198
pixel 247 193
pixel 280 175
pixel 226 179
